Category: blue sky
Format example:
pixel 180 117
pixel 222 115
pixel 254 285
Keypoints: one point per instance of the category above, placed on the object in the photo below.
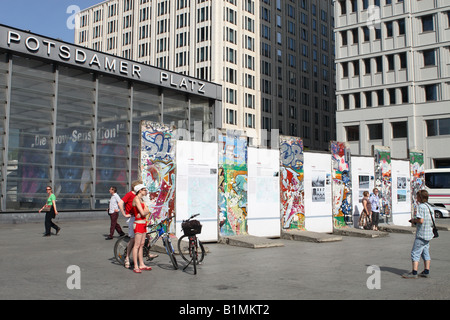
pixel 45 17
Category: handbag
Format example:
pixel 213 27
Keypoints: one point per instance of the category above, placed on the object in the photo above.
pixel 47 208
pixel 435 230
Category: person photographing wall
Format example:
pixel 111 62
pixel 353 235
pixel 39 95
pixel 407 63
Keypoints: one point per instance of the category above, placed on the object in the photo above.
pixel 424 233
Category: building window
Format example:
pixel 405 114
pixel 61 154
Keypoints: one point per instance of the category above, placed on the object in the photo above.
pixel 345 69
pixel 365 4
pixel 392 99
pixel 380 96
pixel 379 61
pixel 368 96
pixel 231 116
pixel 405 95
pixel 352 133
pixel 355 35
pixel 345 101
pixel 343 4
pixel 354 4
pixel 377 33
pixel 431 92
pixel 389 29
pixel 367 65
pixel 344 38
pixel 403 60
pixel 401 26
pixel 438 127
pixel 427 23
pixel 390 59
pixel 230 96
pixel 366 32
pixel 375 131
pixel 429 57
pixel 250 120
pixel 399 129
pixel 357 99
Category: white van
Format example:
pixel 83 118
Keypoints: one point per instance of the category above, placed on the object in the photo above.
pixel 437 183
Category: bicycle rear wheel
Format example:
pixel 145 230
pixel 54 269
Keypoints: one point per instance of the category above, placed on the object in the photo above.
pixel 170 251
pixel 120 249
pixel 185 255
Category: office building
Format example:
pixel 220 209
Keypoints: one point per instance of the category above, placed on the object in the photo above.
pixel 273 58
pixel 393 76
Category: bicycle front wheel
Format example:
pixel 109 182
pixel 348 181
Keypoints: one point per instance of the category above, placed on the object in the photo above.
pixel 170 251
pixel 181 247
pixel 200 251
pixel 120 249
pixel 193 250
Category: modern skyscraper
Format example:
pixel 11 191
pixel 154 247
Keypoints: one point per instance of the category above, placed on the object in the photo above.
pixel 273 58
pixel 393 76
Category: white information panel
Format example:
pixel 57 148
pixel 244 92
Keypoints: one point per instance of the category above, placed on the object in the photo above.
pixel 363 179
pixel 263 197
pixel 196 192
pixel 317 184
pixel 401 192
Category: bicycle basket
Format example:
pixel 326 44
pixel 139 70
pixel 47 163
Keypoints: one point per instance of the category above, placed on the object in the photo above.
pixel 191 227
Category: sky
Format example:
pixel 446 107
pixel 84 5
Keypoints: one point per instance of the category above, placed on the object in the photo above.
pixel 51 18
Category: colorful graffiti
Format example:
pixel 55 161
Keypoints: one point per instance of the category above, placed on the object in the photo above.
pixel 157 167
pixel 383 178
pixel 417 176
pixel 232 185
pixel 291 183
pixel 342 184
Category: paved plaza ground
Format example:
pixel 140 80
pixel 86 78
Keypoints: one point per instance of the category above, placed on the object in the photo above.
pixel 35 267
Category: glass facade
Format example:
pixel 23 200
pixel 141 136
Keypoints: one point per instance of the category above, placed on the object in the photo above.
pixel 78 131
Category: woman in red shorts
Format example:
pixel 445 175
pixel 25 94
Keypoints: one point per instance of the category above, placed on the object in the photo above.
pixel 140 211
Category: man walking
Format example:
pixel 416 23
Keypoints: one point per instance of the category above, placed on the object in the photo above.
pixel 113 212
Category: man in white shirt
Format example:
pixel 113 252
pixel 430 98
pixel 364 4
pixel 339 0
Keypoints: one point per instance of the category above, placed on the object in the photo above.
pixel 113 212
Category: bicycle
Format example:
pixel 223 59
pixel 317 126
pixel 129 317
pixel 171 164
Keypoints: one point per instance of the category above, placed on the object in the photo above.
pixel 156 231
pixel 190 229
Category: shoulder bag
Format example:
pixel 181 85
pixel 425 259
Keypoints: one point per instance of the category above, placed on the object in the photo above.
pixel 435 230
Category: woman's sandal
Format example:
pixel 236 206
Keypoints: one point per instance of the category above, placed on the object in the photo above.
pixel 146 268
pixel 127 264
pixel 137 271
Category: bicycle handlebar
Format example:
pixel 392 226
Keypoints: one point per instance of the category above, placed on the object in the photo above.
pixel 161 222
pixel 193 216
